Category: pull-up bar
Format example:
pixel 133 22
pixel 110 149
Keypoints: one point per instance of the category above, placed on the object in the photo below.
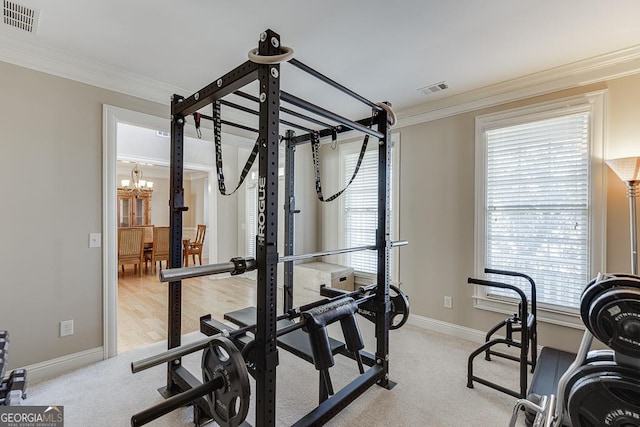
pixel 299 102
pixel 330 82
pixel 228 123
pixel 284 110
pixel 255 113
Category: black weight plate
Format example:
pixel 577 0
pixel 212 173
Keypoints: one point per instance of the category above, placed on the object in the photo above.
pixel 615 320
pixel 588 292
pixel 608 276
pixel 399 308
pixel 229 404
pixel 249 355
pixel 606 400
pixel 399 312
pixel 594 289
pixel 600 367
pixel 599 356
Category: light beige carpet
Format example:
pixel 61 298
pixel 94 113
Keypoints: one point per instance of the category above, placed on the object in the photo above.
pixel 429 368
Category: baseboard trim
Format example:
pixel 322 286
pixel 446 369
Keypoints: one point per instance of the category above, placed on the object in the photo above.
pixel 61 365
pixel 446 328
pixel 456 331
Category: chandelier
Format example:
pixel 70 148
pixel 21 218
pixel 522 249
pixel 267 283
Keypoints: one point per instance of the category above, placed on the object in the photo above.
pixel 136 184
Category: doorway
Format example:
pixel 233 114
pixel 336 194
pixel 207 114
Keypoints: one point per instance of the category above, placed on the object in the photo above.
pixel 123 139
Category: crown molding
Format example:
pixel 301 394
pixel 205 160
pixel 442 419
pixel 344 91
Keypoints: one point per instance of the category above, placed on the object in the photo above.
pixel 27 53
pixel 610 66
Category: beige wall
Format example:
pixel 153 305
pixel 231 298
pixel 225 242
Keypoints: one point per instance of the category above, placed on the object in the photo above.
pixel 623 141
pixel 437 208
pixel 51 169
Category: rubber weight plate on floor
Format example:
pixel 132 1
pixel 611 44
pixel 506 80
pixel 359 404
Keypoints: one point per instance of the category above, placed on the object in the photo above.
pixel 605 400
pixel 614 318
pixel 229 404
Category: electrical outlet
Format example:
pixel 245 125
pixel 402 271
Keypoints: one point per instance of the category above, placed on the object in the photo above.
pixel 66 328
pixel 448 302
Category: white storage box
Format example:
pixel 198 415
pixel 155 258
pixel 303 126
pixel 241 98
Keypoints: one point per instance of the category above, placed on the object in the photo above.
pixel 313 274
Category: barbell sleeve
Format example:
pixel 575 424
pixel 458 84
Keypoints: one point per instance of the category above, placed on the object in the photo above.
pixel 175 402
pixel 183 350
pixel 235 266
pixel 171 354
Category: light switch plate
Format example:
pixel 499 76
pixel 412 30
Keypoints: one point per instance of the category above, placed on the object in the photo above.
pixel 95 240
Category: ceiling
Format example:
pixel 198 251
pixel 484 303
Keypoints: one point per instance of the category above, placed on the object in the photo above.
pixel 383 50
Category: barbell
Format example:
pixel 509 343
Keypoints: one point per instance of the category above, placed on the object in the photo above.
pixel 241 265
pixel 175 353
pixel 225 387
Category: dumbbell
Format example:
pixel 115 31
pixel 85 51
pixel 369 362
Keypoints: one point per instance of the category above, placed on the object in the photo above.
pixel 3 363
pixel 16 387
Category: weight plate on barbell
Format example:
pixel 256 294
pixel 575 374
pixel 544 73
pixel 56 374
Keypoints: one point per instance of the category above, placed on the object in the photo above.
pixel 614 318
pixel 399 312
pixel 605 400
pixel 249 355
pixel 399 308
pixel 229 404
pixel 591 292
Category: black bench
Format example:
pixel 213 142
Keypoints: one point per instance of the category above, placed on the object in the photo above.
pixel 552 364
pixel 295 342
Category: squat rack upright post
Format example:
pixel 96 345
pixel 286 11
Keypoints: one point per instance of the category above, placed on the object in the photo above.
pixel 178 378
pixel 266 352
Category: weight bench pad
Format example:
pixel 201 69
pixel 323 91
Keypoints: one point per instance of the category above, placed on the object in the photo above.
pixel 552 364
pixel 295 342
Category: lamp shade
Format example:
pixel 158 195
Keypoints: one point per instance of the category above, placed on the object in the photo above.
pixel 627 168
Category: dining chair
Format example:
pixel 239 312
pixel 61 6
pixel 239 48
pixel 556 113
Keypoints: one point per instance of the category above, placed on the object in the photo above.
pixel 131 248
pixel 160 249
pixel 194 248
pixel 148 243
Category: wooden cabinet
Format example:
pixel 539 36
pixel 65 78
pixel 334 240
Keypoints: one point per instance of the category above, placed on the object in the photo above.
pixel 134 210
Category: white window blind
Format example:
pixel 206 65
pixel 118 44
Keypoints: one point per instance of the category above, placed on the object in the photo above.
pixel 361 210
pixel 537 206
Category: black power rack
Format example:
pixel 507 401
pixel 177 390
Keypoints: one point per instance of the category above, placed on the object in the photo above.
pixel 179 379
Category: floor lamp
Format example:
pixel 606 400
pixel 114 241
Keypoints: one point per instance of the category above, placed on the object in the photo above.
pixel 628 170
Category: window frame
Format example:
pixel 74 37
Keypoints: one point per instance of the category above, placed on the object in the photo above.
pixel 594 103
pixel 353 146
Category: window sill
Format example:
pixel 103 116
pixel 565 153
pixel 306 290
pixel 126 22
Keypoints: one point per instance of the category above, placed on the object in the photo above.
pixel 545 315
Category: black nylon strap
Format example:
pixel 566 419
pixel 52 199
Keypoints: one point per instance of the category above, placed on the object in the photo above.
pixel 196 118
pixel 217 132
pixel 315 147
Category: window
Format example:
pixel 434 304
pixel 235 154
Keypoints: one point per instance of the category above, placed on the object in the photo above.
pixel 361 210
pixel 360 205
pixel 539 208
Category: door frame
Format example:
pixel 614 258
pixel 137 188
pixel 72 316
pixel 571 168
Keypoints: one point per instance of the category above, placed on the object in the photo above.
pixel 111 117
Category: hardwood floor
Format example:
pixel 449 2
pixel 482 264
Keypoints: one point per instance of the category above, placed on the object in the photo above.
pixel 142 304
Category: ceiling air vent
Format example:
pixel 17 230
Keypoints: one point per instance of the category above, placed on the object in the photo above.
pixel 428 90
pixel 19 16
